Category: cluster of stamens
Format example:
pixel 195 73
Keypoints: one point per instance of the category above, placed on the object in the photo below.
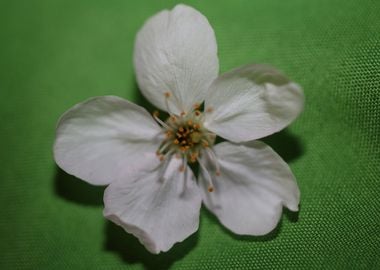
pixel 186 138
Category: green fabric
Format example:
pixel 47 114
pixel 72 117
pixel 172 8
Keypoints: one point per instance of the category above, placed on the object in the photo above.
pixel 54 54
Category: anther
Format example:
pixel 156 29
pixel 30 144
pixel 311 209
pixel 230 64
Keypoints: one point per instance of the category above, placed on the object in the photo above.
pixel 176 141
pixel 182 168
pixel 197 113
pixel 183 113
pixel 209 109
pixel 167 94
pixel 205 143
pixel 217 173
pixel 190 123
pixel 196 106
pixel 156 113
pixel 210 189
pixel 173 118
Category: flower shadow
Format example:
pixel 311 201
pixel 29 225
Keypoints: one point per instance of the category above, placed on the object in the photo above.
pixel 75 190
pixel 131 251
pixel 286 144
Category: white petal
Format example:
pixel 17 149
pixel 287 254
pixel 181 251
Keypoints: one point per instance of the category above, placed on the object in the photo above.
pixel 104 138
pixel 160 207
pixel 253 186
pixel 176 51
pixel 252 102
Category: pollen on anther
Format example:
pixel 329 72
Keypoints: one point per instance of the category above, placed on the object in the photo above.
pixel 210 189
pixel 205 143
pixel 176 141
pixel 183 113
pixel 156 113
pixel 162 157
pixel 173 118
pixel 197 113
pixel 167 94
pixel 196 106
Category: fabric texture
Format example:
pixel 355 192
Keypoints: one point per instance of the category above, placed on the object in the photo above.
pixel 56 53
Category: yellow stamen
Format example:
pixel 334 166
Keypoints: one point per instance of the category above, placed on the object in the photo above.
pixel 156 113
pixel 196 106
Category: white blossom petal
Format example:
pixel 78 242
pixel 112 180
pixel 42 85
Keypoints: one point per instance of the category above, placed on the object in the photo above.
pixel 159 207
pixel 251 102
pixel 253 186
pixel 104 138
pixel 176 52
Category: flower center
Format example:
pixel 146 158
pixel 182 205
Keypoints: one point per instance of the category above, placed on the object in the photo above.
pixel 185 136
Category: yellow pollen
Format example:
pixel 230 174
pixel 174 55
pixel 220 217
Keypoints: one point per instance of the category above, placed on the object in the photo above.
pixel 190 123
pixel 181 129
pixel 156 113
pixel 193 157
pixel 176 141
pixel 196 106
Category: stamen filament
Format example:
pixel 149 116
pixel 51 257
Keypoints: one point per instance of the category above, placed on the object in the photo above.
pixel 214 160
pixel 207 175
pixel 162 123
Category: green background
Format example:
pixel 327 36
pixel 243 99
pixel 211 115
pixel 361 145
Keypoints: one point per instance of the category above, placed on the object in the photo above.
pixel 54 54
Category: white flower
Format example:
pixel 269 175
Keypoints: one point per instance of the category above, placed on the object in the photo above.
pixel 152 191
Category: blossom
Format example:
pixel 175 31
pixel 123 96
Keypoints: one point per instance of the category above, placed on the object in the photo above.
pixel 152 192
